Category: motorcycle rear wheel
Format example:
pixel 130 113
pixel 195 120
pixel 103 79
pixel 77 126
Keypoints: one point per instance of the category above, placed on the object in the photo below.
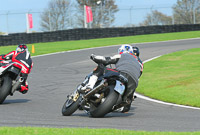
pixel 106 106
pixel 5 87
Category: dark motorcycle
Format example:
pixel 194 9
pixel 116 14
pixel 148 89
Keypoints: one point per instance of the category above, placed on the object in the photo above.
pixel 103 99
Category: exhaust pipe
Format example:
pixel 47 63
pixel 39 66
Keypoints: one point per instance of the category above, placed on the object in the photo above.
pixel 17 84
pixel 95 90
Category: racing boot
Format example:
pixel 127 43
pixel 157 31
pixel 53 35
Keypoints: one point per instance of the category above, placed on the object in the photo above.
pixel 128 102
pixel 91 83
pixel 23 88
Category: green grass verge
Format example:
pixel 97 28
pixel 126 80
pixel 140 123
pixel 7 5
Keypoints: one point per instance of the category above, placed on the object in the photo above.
pixel 44 48
pixel 51 47
pixel 81 131
pixel 173 78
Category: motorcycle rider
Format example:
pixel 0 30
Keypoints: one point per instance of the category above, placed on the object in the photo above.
pixel 23 54
pixel 127 63
pixel 136 52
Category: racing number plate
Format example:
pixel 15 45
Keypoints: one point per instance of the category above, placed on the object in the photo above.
pixel 119 87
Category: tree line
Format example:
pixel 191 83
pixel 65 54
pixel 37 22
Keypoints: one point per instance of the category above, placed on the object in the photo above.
pixel 184 12
pixel 58 15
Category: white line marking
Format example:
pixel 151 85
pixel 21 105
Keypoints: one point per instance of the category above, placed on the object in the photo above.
pixel 162 102
pixel 113 46
pixel 165 103
pixel 152 59
pixel 138 95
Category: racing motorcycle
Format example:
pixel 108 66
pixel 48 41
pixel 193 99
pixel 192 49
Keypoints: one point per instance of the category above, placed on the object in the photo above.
pixel 12 75
pixel 105 97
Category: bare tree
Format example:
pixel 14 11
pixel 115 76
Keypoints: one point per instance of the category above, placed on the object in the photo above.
pixel 187 12
pixel 103 12
pixel 156 18
pixel 56 16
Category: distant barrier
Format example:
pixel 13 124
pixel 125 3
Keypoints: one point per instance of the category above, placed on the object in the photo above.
pixel 82 33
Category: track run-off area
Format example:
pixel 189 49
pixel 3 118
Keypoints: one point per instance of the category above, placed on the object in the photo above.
pixel 54 76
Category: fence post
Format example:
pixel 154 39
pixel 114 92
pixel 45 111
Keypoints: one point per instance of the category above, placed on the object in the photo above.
pixel 194 16
pixel 7 23
pixel 173 19
pixel 131 15
pixel 50 21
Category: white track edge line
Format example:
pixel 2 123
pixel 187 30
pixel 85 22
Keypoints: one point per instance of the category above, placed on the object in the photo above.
pixel 165 103
pixel 162 102
pixel 112 46
pixel 138 95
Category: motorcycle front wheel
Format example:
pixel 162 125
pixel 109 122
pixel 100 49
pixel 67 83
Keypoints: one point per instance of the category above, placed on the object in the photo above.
pixel 70 106
pixel 5 87
pixel 106 105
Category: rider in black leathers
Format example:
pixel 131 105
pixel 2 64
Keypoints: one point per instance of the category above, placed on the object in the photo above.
pixel 127 63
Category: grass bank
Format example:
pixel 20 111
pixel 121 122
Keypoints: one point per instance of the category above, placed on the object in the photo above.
pixel 81 131
pixel 173 78
pixel 51 47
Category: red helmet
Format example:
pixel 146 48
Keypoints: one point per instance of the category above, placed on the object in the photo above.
pixel 21 48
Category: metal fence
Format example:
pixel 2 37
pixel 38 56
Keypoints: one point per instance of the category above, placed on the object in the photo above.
pixel 15 22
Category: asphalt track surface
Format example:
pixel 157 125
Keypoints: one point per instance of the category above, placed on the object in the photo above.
pixel 56 75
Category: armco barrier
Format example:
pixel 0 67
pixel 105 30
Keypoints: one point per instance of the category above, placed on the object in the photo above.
pixel 82 33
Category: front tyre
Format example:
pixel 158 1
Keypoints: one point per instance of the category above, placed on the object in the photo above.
pixel 106 106
pixel 70 106
pixel 5 87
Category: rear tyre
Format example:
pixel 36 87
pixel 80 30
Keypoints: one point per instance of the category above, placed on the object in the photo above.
pixel 106 106
pixel 5 87
pixel 70 106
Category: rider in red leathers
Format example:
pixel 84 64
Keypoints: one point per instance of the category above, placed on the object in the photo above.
pixel 21 54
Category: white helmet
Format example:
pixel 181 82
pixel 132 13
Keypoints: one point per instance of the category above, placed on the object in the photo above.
pixel 125 49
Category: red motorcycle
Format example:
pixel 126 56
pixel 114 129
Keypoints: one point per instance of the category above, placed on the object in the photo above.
pixel 13 73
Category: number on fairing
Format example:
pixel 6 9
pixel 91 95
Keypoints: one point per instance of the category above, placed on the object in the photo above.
pixel 119 87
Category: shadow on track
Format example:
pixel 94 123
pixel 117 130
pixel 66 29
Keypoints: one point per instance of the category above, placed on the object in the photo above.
pixel 15 101
pixel 109 115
